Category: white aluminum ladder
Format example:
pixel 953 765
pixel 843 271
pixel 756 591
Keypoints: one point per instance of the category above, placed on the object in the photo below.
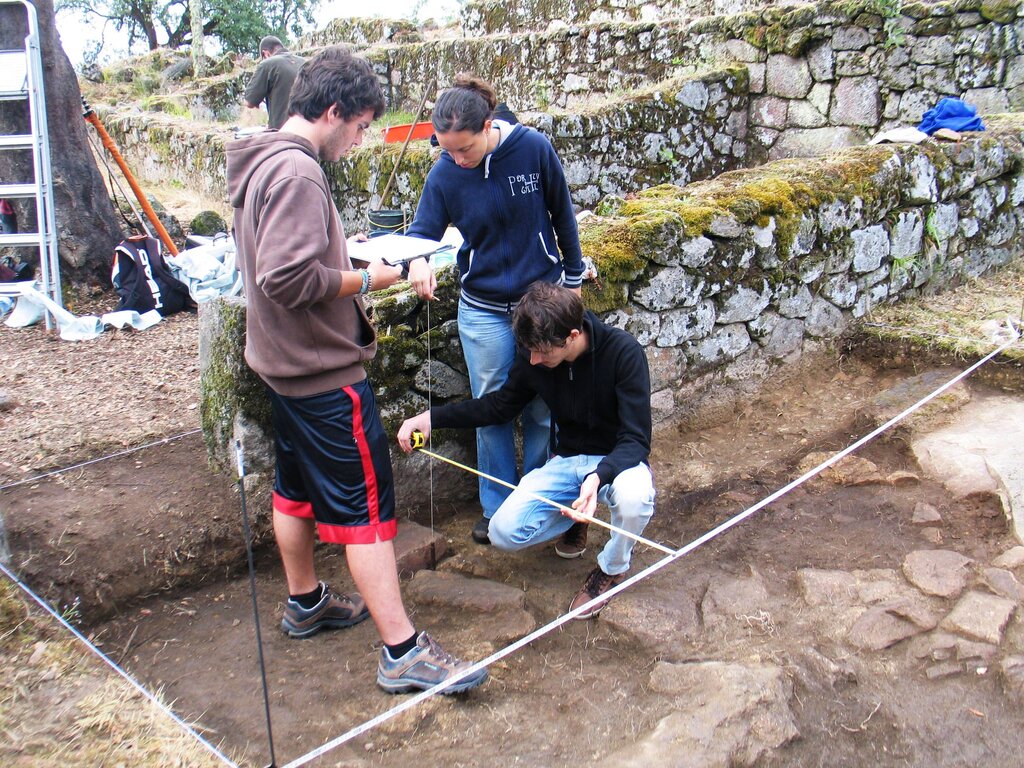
pixel 21 79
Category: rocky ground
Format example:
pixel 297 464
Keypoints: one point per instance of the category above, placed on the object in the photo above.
pixel 872 615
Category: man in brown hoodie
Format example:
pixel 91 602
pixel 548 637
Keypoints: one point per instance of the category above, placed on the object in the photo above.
pixel 307 337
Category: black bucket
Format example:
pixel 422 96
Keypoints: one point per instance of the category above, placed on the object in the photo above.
pixel 388 221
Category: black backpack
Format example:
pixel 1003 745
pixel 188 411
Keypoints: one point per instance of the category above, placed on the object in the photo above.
pixel 142 279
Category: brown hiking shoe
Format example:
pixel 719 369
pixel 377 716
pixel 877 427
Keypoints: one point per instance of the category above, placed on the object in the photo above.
pixel 597 583
pixel 573 542
pixel 334 611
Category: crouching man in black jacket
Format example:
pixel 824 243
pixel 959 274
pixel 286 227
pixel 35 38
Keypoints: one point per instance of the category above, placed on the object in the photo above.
pixel 596 383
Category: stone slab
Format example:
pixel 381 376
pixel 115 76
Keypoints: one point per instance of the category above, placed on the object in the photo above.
pixel 727 715
pixel 851 588
pixel 417 549
pixel 878 628
pixel 894 400
pixel 496 611
pixel 939 572
pixel 464 593
pixel 979 451
pixel 1012 558
pixel 729 600
pixel 1003 583
pixel 980 616
pixel 925 514
pixel 662 619
pixel 1011 677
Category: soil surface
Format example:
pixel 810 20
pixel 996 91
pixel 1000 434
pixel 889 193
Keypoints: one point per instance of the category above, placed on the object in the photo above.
pixel 157 523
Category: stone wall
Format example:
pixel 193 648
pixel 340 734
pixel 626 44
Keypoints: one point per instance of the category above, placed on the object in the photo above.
pixel 362 32
pixel 820 77
pixel 488 17
pixel 824 75
pixel 675 132
pixel 732 277
pixel 162 148
pixel 833 74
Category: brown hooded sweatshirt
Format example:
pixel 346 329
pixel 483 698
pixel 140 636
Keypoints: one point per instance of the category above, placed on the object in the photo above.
pixel 301 338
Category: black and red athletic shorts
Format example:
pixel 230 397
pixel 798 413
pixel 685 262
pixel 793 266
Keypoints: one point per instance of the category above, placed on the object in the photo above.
pixel 333 464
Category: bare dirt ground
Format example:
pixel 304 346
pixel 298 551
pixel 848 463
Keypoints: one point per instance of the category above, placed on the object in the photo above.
pixel 157 523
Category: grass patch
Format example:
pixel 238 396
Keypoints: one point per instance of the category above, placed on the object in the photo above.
pixel 60 708
pixel 961 322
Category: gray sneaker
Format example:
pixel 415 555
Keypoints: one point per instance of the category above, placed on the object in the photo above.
pixel 334 611
pixel 423 667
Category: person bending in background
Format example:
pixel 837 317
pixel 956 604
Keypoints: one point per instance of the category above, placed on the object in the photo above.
pixel 272 81
pixel 596 382
pixel 503 187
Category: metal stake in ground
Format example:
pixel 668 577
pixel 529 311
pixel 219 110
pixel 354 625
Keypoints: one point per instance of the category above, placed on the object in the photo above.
pixel 252 589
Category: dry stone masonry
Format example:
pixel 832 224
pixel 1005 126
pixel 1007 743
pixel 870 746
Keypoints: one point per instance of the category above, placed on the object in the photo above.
pixel 630 104
pixel 730 277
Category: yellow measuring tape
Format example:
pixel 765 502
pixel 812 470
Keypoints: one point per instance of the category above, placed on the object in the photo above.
pixel 419 441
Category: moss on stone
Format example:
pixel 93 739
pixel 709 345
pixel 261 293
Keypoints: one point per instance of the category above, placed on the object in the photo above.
pixel 207 223
pixel 775 36
pixel 602 297
pixel 228 386
pixel 932 27
pixel 801 16
pixel 710 25
pixel 797 42
pixel 999 11
pixel 850 8
pixel 613 245
pixel 399 354
pixel 871 20
pixel 756 36
pixel 782 191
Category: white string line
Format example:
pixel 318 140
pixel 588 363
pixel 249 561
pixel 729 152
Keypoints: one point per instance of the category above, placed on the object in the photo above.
pixel 101 458
pixel 555 504
pixel 509 649
pixel 430 404
pixel 110 663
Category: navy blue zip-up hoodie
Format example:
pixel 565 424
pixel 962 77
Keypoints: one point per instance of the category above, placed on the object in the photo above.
pixel 601 401
pixel 515 215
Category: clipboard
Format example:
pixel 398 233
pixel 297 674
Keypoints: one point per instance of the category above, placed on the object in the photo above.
pixel 395 250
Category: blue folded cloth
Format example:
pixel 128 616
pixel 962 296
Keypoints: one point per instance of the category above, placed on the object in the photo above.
pixel 953 114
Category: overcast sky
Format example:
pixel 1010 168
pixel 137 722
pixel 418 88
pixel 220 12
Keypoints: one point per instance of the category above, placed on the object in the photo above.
pixel 76 35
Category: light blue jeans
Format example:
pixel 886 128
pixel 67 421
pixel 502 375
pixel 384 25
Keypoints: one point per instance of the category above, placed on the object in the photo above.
pixel 490 349
pixel 523 520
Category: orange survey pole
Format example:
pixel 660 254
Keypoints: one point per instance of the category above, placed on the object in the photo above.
pixel 91 117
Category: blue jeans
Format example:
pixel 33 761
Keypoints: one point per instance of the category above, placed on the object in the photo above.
pixel 523 521
pixel 490 349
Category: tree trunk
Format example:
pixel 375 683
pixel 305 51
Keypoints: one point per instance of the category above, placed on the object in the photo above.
pixel 198 43
pixel 87 226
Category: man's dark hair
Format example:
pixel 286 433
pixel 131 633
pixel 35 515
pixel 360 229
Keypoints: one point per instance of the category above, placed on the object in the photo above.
pixel 271 44
pixel 336 78
pixel 546 315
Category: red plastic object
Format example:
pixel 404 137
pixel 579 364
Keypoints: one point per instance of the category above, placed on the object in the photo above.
pixel 397 133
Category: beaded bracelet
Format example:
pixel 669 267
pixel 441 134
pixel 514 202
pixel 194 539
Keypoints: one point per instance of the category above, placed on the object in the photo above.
pixel 365 287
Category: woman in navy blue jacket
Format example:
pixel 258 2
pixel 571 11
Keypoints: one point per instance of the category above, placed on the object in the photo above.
pixel 503 187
